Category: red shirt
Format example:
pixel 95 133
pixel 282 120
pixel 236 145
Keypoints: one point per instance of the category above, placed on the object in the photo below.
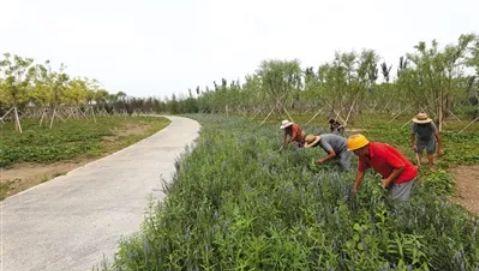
pixel 296 133
pixel 383 159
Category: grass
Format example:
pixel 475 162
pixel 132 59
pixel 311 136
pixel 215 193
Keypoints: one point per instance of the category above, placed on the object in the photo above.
pixel 237 203
pixel 4 188
pixel 73 138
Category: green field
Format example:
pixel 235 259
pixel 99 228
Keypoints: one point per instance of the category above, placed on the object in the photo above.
pixel 237 203
pixel 73 138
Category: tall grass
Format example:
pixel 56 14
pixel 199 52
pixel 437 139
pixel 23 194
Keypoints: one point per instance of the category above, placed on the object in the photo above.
pixel 237 203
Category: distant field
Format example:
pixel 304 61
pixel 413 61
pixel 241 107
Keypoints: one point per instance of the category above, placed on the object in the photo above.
pixel 73 138
pixel 40 153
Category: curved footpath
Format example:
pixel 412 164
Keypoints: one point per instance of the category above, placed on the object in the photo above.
pixel 73 221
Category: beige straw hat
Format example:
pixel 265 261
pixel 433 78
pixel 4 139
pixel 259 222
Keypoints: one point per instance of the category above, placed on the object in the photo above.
pixel 421 118
pixel 311 140
pixel 285 124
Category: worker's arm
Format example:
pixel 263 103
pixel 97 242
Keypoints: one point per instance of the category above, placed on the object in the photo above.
pixel 331 155
pixel 358 181
pixel 413 141
pixel 285 140
pixel 328 149
pixel 439 143
pixel 413 137
pixel 396 172
pixel 398 166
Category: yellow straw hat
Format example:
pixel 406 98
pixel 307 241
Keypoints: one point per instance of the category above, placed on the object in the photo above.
pixel 356 141
pixel 421 118
pixel 311 140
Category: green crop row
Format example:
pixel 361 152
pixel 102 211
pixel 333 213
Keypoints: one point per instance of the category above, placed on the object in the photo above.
pixel 70 139
pixel 237 203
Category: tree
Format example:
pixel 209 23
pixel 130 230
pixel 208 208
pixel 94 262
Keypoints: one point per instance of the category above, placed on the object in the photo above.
pixel 386 71
pixel 281 81
pixel 17 73
pixel 437 76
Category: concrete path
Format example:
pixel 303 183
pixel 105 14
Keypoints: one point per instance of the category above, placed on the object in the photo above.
pixel 70 222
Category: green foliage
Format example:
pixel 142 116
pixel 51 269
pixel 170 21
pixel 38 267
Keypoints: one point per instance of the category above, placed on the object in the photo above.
pixel 439 182
pixel 237 203
pixel 70 139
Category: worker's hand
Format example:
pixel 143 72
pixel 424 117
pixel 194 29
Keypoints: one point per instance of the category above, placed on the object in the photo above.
pixel 384 183
pixel 354 191
pixel 414 148
pixel 319 162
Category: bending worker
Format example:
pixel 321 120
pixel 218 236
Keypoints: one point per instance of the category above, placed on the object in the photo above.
pixel 292 134
pixel 334 145
pixel 397 171
pixel 424 135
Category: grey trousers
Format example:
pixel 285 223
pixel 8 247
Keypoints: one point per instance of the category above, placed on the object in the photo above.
pixel 401 192
pixel 344 159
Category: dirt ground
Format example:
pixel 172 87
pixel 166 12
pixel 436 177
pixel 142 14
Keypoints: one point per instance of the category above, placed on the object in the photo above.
pixel 25 175
pixel 22 176
pixel 467 187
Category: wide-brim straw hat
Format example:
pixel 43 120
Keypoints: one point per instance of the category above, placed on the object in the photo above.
pixel 311 140
pixel 285 124
pixel 421 118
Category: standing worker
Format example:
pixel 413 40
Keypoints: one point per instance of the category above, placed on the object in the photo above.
pixel 336 127
pixel 292 134
pixel 334 145
pixel 424 135
pixel 397 171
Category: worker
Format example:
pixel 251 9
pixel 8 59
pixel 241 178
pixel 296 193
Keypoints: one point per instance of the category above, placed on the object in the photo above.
pixel 292 134
pixel 336 127
pixel 334 145
pixel 424 135
pixel 398 173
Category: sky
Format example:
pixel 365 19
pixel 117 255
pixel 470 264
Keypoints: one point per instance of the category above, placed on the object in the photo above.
pixel 156 48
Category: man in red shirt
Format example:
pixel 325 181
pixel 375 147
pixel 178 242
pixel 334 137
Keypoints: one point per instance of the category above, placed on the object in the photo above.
pixel 292 134
pixel 397 171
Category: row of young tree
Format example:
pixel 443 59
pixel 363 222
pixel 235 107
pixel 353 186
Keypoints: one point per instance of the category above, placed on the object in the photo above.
pixel 441 80
pixel 29 89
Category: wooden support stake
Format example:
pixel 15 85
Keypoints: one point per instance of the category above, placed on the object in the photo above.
pixel 17 120
pixel 287 114
pixel 53 118
pixel 470 123
pixel 314 116
pixel 264 120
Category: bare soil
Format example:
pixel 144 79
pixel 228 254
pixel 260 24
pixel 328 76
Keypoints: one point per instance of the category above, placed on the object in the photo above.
pixel 25 175
pixel 467 187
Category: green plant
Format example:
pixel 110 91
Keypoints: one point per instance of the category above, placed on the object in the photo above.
pixel 237 203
